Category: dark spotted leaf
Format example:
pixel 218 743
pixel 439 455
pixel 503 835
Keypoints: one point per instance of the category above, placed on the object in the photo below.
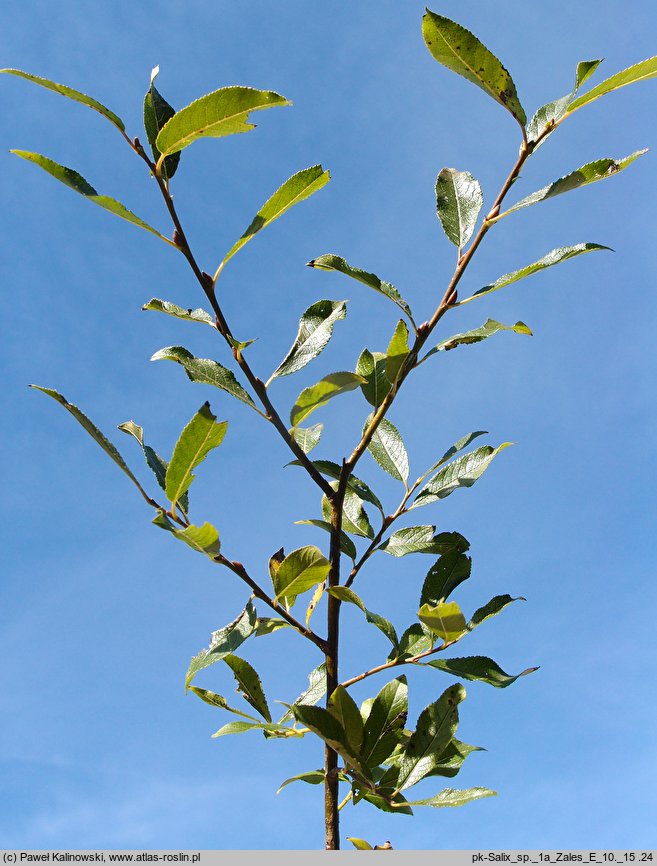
pixel 249 684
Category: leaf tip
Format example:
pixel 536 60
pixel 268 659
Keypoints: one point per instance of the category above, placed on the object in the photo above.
pixel 155 71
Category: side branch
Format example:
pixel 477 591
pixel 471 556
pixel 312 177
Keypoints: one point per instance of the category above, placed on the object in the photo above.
pixel 238 569
pixel 396 663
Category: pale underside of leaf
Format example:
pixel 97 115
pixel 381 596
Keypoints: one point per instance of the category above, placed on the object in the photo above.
pixel 554 257
pixel 223 642
pixel 476 335
pixel 315 331
pixel 642 71
pixel 388 449
pixel 188 315
pixel 459 200
pixel 548 116
pixel 204 371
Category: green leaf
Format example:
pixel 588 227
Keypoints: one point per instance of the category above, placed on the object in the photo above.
pixel 222 112
pixel 589 173
pixel 461 51
pixel 354 516
pixel 315 330
pixel 333 470
pixel 270 624
pixel 385 722
pixel 388 449
pixel 435 728
pixel 204 539
pixel 397 352
pixel 458 446
pixel 216 700
pixel 312 777
pixel 243 727
pixel 170 309
pixel 157 112
pixel 204 371
pixel 330 262
pixel 158 465
pixel 639 72
pixel 296 189
pixel 71 94
pixel 476 335
pixel 343 707
pixel 300 571
pixel 372 367
pixel 459 200
pixel 452 797
pixel 495 605
pixel 448 572
pixel 398 806
pixel 422 539
pixel 550 114
pixel 315 691
pixel 318 395
pixel 452 759
pixel 223 642
pixel 416 639
pixel 554 257
pixel 346 544
pixel 75 181
pixel 198 438
pixel 462 472
pixel 359 844
pixel 345 593
pixel 444 619
pixel 95 434
pixel 478 668
pixel 307 438
pixel 328 728
pixel 249 684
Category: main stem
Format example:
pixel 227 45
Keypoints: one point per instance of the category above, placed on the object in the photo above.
pixel 331 782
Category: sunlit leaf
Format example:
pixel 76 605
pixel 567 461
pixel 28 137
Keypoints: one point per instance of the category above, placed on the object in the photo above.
pixel 642 71
pixel 388 449
pixel 307 438
pixel 462 472
pixel 318 395
pixel 199 437
pixel 204 539
pixel 452 797
pixel 385 722
pixel 478 668
pixel 547 116
pixel 422 539
pixel 223 642
pixel 459 200
pixel 188 315
pixel 444 619
pixel 315 330
pixel 157 112
pixel 249 684
pixel 343 707
pixel 372 367
pixel 315 691
pixel 300 571
pixel 204 371
pixel 476 335
pixel 397 352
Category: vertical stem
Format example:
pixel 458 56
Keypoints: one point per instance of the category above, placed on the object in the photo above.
pixel 331 783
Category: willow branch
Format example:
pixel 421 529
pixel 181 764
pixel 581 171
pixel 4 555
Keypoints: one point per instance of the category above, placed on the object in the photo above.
pixel 397 663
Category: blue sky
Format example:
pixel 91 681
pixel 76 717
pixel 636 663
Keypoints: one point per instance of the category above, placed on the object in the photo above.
pixel 101 612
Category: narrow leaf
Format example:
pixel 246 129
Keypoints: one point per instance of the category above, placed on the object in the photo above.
pixel 249 684
pixel 478 668
pixel 476 335
pixel 95 434
pixel 222 112
pixel 75 181
pixel 554 257
pixel 296 189
pixel 346 544
pixel 318 395
pixel 422 539
pixel 333 470
pixel 448 572
pixel 397 352
pixel 215 700
pixel 435 728
pixel 388 449
pixel 385 722
pixel 315 600
pixel 495 605
pixel 223 642
pixel 70 93
pixel 243 727
pixel 452 797
pixel 462 472
pixel 458 446
pixel 300 571
pixel 204 371
pixel 445 619
pixel 343 707
pixel 188 315
pixel 307 438
pixel 459 200
pixel 313 777
pixel 372 367
pixel 330 262
pixel 461 51
pixel 157 112
pixel 345 593
pixel 269 625
pixel 639 72
pixel 359 844
pixel 198 438
pixel 589 173
pixel 315 330
pixel 158 465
